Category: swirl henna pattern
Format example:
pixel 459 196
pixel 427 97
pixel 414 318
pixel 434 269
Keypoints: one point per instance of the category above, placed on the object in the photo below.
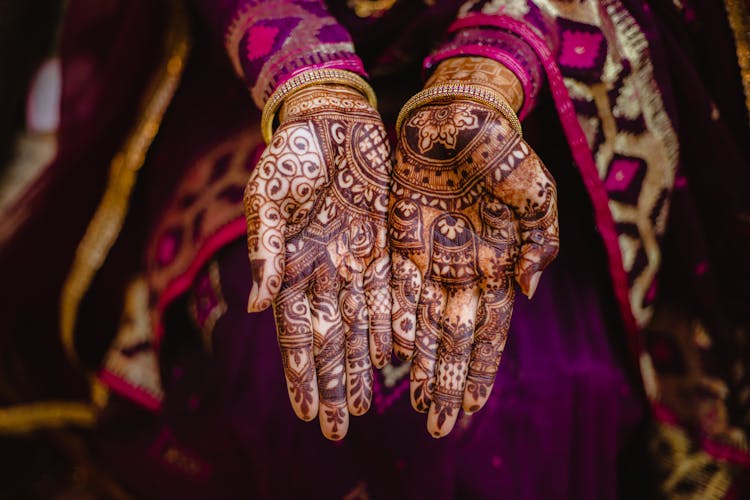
pixel 316 208
pixel 472 210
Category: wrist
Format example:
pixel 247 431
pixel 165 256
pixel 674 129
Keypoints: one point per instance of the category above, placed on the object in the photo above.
pixel 307 79
pixel 324 97
pixel 481 71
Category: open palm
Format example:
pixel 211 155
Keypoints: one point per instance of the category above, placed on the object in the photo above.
pixel 316 208
pixel 472 210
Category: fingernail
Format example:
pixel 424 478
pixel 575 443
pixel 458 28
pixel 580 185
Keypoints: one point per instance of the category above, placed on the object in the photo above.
pixel 533 283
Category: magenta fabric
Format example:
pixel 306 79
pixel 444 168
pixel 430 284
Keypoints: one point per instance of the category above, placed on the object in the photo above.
pixel 564 418
pixel 271 41
pixel 565 406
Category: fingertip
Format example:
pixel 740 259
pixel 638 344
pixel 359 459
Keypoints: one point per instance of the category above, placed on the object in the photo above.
pixel 420 400
pixel 358 410
pixel 254 304
pixel 441 420
pixel 533 283
pixel 304 417
pixel 335 437
pixel 334 421
pixel 471 406
pixel 379 361
pixel 305 411
pixel 435 434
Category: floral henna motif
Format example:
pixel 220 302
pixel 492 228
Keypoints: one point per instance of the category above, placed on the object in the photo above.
pixel 442 124
pixel 316 208
pixel 468 218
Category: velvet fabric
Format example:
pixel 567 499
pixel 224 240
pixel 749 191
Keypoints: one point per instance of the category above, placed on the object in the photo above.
pixel 566 407
pixel 563 420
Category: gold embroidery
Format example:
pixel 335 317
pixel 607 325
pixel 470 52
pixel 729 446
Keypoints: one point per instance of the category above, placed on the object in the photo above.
pixel 106 224
pixel 657 146
pixel 685 472
pixel 139 369
pixel 370 8
pixel 739 20
pixel 24 418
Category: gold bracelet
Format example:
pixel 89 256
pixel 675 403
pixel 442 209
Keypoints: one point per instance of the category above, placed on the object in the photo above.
pixel 307 79
pixel 446 92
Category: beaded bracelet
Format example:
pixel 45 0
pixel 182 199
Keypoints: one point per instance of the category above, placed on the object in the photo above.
pixel 450 90
pixel 307 79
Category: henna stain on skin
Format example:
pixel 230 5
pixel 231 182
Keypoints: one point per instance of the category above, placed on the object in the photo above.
pixel 472 211
pixel 316 208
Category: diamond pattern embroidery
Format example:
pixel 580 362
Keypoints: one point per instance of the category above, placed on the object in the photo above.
pixel 583 50
pixel 624 178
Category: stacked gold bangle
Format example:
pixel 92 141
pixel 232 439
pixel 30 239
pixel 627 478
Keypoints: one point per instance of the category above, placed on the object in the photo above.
pixel 307 79
pixel 448 91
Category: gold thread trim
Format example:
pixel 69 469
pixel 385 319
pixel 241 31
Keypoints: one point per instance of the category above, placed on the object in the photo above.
pixel 105 226
pixel 739 21
pixel 680 464
pixel 25 418
pixel 636 49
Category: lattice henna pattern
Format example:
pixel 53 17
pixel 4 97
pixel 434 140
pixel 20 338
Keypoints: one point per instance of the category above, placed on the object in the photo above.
pixel 472 211
pixel 316 209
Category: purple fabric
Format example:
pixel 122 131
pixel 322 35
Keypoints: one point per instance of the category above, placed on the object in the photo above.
pixel 561 410
pixel 563 407
pixel 269 41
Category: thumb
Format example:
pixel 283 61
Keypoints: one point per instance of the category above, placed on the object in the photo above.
pixel 265 242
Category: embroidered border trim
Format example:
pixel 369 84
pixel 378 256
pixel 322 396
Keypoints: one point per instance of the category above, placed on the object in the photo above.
pixel 106 224
pixel 29 417
pixel 739 21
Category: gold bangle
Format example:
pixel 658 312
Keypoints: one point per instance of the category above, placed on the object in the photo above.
pixel 448 91
pixel 307 79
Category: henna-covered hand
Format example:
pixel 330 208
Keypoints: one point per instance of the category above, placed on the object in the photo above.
pixel 316 208
pixel 472 211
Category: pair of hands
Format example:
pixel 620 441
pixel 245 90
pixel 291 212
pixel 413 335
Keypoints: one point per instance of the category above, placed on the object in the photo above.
pixel 362 256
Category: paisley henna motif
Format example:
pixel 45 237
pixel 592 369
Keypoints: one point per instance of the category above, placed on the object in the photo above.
pixel 316 208
pixel 472 211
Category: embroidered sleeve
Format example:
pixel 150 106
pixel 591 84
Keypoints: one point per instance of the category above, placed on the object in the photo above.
pixel 492 28
pixel 270 41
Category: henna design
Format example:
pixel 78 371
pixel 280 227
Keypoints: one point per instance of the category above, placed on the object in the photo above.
pixel 481 71
pixel 472 211
pixel 292 315
pixel 406 282
pixel 429 311
pixel 358 367
pixel 379 306
pixel 316 208
pixel 442 124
